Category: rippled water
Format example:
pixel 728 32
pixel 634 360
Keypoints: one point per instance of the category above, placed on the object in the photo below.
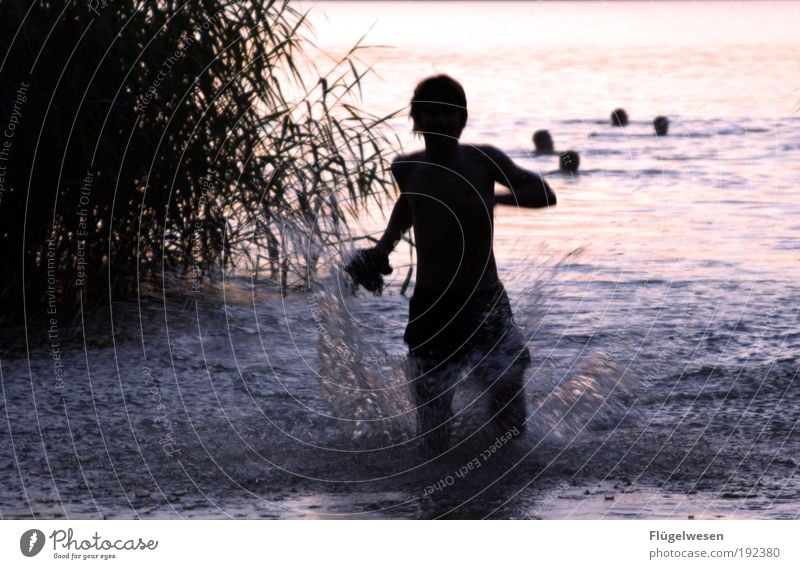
pixel 660 300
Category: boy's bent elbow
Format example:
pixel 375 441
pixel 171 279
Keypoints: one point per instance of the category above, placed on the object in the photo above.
pixel 542 195
pixel 547 201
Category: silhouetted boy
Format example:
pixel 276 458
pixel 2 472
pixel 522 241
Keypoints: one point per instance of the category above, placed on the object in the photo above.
pixel 459 306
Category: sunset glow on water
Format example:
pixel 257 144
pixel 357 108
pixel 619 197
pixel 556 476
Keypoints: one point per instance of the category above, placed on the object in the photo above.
pixel 659 298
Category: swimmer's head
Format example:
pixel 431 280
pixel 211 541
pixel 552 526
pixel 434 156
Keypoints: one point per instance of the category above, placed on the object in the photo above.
pixel 661 125
pixel 439 106
pixel 619 117
pixel 569 161
pixel 543 141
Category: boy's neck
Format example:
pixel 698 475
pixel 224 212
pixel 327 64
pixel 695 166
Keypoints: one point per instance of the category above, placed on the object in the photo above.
pixel 439 148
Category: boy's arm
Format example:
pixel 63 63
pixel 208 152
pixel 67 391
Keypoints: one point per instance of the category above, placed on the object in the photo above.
pixel 399 222
pixel 527 189
pixel 400 219
pixel 367 266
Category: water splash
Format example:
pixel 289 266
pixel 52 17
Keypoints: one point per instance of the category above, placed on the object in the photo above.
pixel 573 388
pixel 364 384
pixel 365 375
pixel 595 395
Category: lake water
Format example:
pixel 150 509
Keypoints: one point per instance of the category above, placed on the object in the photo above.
pixel 660 298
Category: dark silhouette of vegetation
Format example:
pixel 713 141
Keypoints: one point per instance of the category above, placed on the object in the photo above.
pixel 138 136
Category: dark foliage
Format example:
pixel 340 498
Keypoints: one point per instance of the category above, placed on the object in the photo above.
pixel 138 136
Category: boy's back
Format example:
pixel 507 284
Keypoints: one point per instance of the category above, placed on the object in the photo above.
pixel 451 206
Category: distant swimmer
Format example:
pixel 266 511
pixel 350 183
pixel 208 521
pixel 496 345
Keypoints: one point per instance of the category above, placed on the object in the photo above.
pixel 661 125
pixel 569 161
pixel 619 118
pixel 543 142
pixel 459 312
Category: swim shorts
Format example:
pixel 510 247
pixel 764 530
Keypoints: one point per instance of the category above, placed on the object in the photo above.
pixel 446 326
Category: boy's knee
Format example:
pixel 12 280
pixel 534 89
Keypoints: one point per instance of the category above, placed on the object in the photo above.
pixel 423 390
pixel 523 358
pixel 518 361
pixel 433 390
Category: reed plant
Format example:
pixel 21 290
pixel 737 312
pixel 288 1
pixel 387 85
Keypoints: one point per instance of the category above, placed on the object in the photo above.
pixel 191 136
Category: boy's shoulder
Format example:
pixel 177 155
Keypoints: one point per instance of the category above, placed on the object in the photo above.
pixel 486 151
pixel 479 150
pixel 412 158
pixel 404 163
pixel 491 157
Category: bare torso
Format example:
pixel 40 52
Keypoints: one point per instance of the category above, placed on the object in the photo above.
pixel 451 205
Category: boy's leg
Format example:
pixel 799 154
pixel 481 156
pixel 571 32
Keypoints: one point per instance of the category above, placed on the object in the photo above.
pixel 507 393
pixel 505 360
pixel 433 398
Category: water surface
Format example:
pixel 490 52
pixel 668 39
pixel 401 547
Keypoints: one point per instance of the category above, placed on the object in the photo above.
pixel 660 299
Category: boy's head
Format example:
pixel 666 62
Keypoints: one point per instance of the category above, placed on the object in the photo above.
pixel 661 125
pixel 619 118
pixel 543 141
pixel 439 106
pixel 569 161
